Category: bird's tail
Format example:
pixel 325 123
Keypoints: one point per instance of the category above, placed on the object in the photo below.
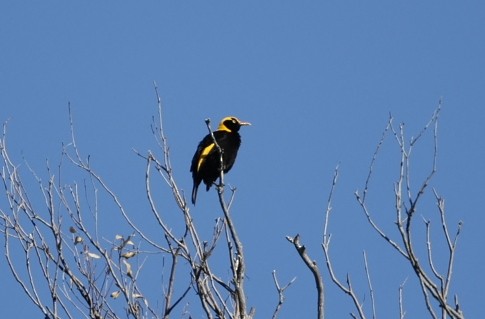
pixel 194 193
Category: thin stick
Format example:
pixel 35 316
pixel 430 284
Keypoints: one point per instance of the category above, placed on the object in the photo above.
pixel 369 282
pixel 281 296
pixel 312 266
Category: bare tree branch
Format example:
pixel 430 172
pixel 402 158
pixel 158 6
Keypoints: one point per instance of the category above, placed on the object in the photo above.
pixel 312 266
pixel 371 290
pixel 84 272
pixel 57 252
pixel 281 296
pixel 402 312
pixel 406 206
pixel 347 289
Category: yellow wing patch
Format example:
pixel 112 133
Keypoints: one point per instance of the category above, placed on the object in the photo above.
pixel 204 154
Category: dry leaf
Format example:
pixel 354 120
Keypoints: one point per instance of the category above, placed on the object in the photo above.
pixel 93 255
pixel 115 294
pixel 129 254
pixel 129 273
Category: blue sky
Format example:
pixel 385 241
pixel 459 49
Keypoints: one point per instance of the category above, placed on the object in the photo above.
pixel 317 79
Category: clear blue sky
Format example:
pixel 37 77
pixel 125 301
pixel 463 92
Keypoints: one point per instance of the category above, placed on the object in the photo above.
pixel 316 78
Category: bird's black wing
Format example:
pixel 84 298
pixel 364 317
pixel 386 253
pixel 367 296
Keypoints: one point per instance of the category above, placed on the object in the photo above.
pixel 206 142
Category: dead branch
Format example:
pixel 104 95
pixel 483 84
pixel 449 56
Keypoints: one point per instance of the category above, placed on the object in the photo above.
pixel 63 249
pixel 406 203
pixel 312 266
pixel 347 289
pixel 281 296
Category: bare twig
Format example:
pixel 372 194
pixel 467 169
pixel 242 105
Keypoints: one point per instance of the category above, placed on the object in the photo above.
pixel 374 158
pixel 347 289
pixel 312 266
pixel 402 312
pixel 369 282
pixel 281 296
pixel 326 236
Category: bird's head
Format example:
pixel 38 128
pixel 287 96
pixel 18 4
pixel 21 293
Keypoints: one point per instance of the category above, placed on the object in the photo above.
pixel 231 124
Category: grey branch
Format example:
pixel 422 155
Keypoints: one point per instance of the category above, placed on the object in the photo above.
pixel 312 266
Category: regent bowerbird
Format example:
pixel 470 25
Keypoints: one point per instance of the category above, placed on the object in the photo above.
pixel 206 163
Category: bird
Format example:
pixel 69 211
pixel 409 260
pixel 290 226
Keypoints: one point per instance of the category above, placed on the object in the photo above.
pixel 205 164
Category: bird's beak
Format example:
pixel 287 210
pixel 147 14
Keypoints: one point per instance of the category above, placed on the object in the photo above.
pixel 244 123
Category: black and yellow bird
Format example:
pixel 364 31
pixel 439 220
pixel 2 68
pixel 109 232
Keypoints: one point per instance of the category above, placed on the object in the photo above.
pixel 206 161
